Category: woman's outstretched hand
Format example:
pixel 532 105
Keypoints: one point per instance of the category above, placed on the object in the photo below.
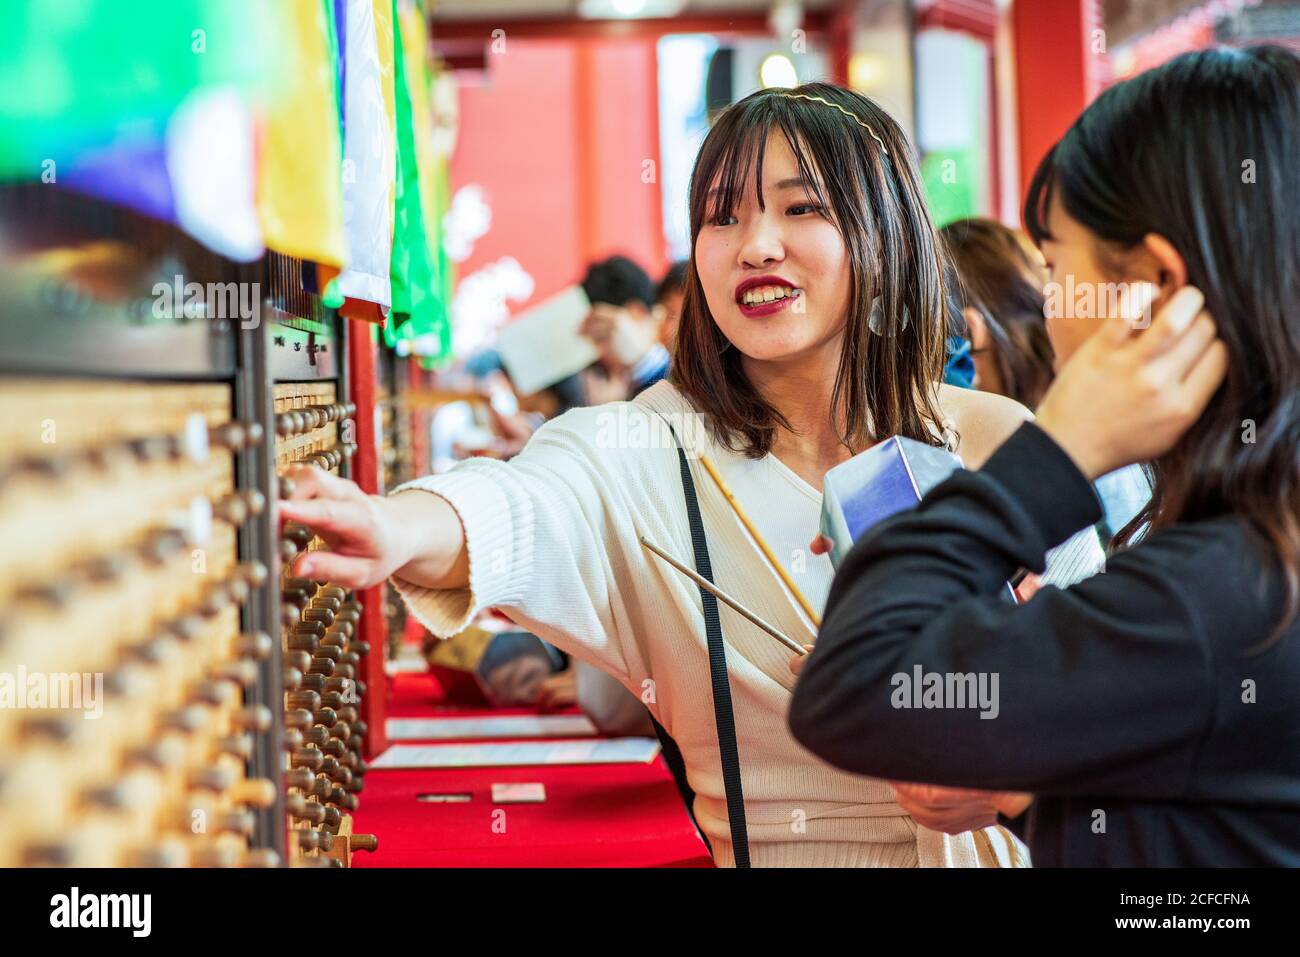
pixel 1128 396
pixel 364 543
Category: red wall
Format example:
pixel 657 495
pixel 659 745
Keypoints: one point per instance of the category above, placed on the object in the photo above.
pixel 556 134
pixel 1057 72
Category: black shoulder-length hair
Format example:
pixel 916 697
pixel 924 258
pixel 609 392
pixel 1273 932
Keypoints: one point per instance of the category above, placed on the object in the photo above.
pixel 893 356
pixel 1204 151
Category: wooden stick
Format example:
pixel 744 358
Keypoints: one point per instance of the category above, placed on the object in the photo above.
pixel 758 540
pixel 725 598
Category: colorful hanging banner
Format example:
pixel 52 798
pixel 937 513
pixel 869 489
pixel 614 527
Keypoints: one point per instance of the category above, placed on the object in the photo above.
pixel 369 163
pixel 156 113
pixel 299 188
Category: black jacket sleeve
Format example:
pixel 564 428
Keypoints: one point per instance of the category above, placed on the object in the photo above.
pixel 1104 686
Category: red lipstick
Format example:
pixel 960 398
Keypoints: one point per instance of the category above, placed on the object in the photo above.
pixel 759 310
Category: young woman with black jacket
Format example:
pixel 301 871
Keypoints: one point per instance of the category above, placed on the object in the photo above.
pixel 1152 710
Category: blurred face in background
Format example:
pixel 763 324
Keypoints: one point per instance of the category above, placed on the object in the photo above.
pixel 668 312
pixel 622 334
pixel 776 279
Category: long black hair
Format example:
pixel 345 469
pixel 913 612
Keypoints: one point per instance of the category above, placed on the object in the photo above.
pixel 1205 151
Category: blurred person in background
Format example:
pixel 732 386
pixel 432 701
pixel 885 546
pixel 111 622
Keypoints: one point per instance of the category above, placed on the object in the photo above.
pixel 623 327
pixel 669 297
pixel 612 709
pixel 959 364
pixel 999 291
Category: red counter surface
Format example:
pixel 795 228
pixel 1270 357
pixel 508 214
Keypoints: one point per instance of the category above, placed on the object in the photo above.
pixel 623 815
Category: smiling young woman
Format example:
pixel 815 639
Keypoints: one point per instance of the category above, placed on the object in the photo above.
pixel 799 191
pixel 809 201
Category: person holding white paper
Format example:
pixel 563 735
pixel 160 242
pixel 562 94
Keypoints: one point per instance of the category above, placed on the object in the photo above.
pixel 813 326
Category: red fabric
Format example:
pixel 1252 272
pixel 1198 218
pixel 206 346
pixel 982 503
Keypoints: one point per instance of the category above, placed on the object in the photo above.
pixel 624 815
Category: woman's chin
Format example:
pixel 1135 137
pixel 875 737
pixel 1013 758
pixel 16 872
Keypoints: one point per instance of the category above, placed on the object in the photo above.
pixel 763 349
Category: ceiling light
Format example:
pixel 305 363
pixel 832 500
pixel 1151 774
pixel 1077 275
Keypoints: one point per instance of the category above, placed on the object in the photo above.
pixel 777 70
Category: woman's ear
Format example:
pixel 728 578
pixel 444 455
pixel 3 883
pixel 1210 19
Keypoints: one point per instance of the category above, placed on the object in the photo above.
pixel 1172 271
pixel 979 331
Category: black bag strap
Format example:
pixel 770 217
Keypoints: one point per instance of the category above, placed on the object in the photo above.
pixel 723 716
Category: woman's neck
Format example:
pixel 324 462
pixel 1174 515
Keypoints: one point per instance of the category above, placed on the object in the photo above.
pixel 801 391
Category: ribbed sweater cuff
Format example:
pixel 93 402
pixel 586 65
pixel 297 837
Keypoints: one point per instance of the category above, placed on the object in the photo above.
pixel 498 534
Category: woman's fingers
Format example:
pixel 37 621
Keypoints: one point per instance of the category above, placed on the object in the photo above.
pixel 937 796
pixel 1184 352
pixel 954 810
pixel 345 570
pixel 949 820
pixel 957 825
pixel 796 663
pixel 1206 375
pixel 325 516
pixel 1170 323
pixel 1028 587
pixel 1012 803
pixel 311 482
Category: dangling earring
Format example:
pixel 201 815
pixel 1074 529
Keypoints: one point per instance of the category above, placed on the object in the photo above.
pixel 726 344
pixel 876 318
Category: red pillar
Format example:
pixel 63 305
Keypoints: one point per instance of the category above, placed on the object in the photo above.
pixel 421 443
pixel 839 39
pixel 365 472
pixel 1060 66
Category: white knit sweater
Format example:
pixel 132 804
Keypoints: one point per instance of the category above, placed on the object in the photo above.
pixel 553 543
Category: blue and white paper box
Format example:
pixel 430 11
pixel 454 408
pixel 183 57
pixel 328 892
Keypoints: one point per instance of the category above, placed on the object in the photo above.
pixel 895 475
pixel 887 478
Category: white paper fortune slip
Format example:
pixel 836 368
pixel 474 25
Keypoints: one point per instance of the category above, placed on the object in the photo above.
pixel 600 751
pixel 406 665
pixel 511 793
pixel 543 346
pixel 496 726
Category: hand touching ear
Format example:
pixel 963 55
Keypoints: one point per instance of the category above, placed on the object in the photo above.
pixel 1128 397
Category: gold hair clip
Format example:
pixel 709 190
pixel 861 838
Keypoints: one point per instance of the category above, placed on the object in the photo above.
pixel 853 116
